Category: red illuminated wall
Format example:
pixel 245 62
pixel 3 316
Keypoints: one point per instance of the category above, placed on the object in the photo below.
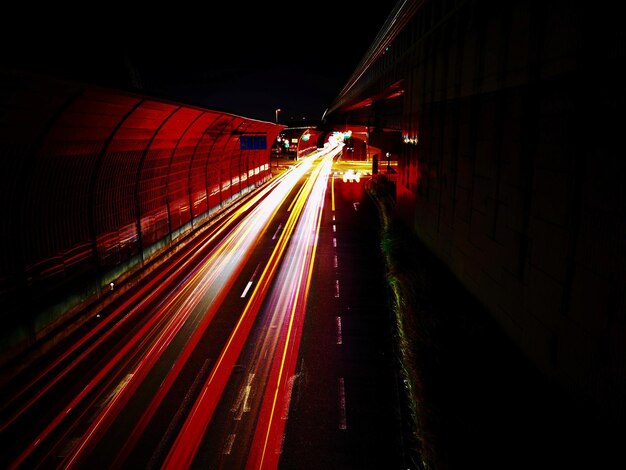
pixel 94 179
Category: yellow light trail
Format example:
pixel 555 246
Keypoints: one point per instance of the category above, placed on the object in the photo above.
pixel 188 439
pixel 302 285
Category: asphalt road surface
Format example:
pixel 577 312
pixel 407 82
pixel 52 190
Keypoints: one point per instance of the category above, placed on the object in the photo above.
pixel 265 343
pixel 344 411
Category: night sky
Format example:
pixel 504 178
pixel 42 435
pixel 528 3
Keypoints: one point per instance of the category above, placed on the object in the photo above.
pixel 247 59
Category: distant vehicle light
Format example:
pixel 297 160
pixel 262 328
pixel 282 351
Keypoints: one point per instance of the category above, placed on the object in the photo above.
pixel 351 176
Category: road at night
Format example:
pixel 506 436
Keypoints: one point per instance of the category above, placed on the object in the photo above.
pixel 202 365
pixel 344 410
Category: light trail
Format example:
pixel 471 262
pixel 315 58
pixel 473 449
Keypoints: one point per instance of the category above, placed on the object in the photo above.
pixel 269 434
pixel 115 383
pixel 188 440
pixel 267 202
pixel 209 274
pixel 113 322
pixel 256 223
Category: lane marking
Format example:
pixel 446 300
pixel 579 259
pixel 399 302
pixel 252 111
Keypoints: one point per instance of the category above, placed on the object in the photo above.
pixel 343 423
pixel 335 242
pixel 241 405
pixel 336 288
pixel 245 291
pixel 277 230
pixel 120 387
pixel 334 228
pixel 285 413
pixel 356 206
pixel 246 406
pixel 228 446
pixel 339 337
pixel 333 217
pixel 335 262
pixel 254 275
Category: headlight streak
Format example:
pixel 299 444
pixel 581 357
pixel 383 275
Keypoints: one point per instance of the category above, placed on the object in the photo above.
pixel 234 250
pixel 99 333
pixel 254 223
pixel 188 440
pixel 147 359
pixel 190 294
pixel 173 314
pixel 182 452
pixel 267 442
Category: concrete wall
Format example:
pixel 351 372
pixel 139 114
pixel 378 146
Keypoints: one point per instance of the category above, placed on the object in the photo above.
pixel 514 174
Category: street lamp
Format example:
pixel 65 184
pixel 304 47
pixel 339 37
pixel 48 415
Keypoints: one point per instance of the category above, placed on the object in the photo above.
pixel 277 111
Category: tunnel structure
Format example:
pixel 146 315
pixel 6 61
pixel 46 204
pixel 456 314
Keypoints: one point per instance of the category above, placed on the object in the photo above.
pixel 96 182
pixel 506 121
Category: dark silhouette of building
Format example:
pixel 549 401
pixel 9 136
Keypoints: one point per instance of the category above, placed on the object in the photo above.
pixel 506 121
